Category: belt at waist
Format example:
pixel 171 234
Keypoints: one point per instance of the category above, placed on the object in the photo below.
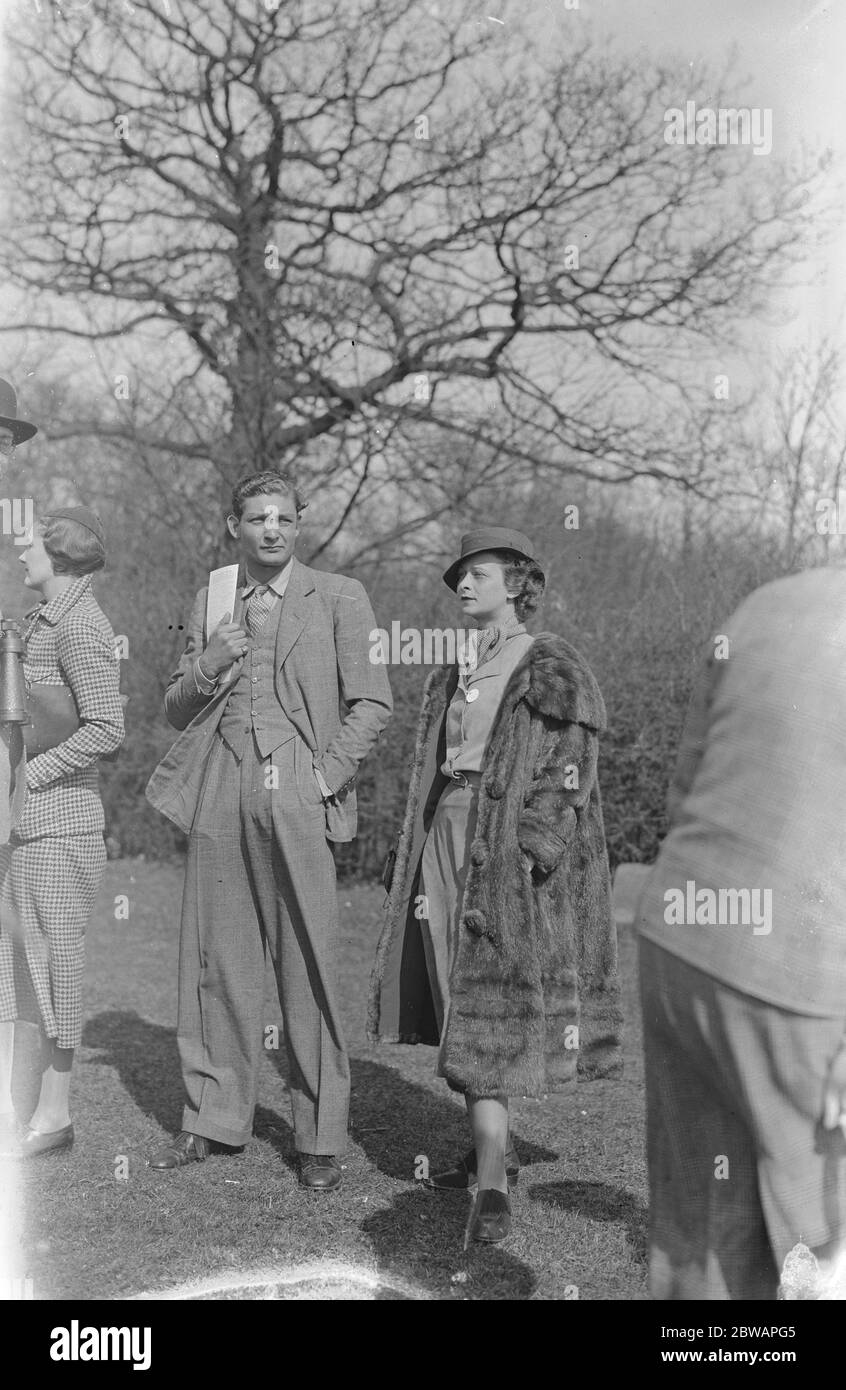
pixel 464 779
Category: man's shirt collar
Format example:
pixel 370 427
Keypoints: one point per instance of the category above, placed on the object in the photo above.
pixel 278 583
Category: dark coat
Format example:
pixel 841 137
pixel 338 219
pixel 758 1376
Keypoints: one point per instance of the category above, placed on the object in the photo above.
pixel 534 998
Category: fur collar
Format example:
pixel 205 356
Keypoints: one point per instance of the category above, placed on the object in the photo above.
pixel 553 677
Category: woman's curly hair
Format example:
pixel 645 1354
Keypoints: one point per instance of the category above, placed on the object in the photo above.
pixel 527 578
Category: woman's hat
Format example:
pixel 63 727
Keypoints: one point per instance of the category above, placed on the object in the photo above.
pixel 83 516
pixel 490 538
pixel 21 429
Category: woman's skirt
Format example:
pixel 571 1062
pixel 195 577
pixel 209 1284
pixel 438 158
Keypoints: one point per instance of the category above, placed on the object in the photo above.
pixel 446 856
pixel 47 892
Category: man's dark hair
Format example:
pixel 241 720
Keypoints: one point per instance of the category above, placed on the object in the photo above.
pixel 263 485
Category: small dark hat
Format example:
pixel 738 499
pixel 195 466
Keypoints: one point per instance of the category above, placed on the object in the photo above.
pixel 21 429
pixel 83 516
pixel 489 538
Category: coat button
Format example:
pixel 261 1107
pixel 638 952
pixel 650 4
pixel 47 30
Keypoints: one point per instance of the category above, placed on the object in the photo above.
pixel 479 852
pixel 472 695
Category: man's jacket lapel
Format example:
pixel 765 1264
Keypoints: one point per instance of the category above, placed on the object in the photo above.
pixel 294 611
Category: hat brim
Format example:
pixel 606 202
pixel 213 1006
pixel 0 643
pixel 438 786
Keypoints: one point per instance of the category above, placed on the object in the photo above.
pixel 21 430
pixel 451 575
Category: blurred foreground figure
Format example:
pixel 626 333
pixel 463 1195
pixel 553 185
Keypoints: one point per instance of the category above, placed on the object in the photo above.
pixel 743 957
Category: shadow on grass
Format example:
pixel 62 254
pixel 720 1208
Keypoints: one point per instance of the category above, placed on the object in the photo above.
pixel 146 1059
pixel 398 1123
pixel 599 1201
pixel 395 1121
pixel 419 1239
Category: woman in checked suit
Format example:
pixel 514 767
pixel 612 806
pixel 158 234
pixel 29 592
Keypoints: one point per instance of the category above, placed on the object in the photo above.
pixel 51 868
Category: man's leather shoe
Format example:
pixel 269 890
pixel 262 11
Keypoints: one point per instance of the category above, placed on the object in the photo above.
pixel 490 1219
pixel 185 1148
pixel 320 1172
pixel 31 1143
pixel 464 1174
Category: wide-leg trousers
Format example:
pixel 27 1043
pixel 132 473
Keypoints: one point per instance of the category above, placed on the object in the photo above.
pixel 260 876
pixel 741 1172
pixel 443 871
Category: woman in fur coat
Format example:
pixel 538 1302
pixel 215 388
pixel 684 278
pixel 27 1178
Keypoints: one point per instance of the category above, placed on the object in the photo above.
pixel 499 942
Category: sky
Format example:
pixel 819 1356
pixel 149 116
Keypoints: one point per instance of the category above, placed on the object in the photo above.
pixel 789 51
pixel 792 54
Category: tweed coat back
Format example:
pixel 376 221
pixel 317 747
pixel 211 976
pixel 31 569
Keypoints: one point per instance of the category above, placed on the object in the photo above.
pixel 534 996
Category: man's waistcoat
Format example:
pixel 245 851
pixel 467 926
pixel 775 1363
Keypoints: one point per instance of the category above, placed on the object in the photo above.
pixel 253 706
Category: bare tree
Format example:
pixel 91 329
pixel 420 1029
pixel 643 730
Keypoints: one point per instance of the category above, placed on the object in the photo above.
pixel 397 251
pixel 800 459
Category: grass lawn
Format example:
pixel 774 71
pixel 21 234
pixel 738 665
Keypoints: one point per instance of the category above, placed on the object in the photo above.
pixel 99 1224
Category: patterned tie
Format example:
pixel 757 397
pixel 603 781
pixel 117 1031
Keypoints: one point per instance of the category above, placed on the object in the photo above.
pixel 260 604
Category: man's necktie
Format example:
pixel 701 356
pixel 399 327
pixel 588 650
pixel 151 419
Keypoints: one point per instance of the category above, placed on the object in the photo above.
pixel 260 604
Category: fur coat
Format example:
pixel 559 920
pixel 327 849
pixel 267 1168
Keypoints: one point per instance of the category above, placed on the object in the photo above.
pixel 534 997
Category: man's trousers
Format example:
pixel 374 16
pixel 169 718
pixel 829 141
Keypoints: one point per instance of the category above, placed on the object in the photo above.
pixel 740 1170
pixel 260 875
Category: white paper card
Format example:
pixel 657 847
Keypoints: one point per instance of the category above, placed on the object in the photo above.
pixel 223 591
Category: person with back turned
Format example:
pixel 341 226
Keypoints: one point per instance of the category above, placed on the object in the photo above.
pixel 743 958
pixel 278 706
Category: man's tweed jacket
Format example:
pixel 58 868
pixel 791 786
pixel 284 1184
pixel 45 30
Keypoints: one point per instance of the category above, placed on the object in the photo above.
pixel 335 697
pixel 533 989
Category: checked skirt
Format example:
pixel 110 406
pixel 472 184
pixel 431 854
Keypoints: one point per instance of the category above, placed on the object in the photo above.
pixel 47 892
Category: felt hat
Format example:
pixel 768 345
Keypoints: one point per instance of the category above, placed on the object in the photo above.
pixel 489 538
pixel 83 516
pixel 21 429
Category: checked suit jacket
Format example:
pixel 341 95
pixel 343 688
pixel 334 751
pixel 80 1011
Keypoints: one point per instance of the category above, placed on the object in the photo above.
pixel 332 693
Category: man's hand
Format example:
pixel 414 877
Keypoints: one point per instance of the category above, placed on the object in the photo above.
pixel 834 1091
pixel 228 643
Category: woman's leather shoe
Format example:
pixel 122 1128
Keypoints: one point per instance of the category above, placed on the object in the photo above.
pixel 461 1177
pixel 31 1143
pixel 490 1219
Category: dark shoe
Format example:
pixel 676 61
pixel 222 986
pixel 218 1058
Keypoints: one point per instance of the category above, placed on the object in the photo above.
pixel 185 1148
pixel 490 1219
pixel 320 1172
pixel 31 1143
pixel 464 1174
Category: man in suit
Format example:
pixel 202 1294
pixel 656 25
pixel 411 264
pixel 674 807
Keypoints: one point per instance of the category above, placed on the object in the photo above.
pixel 743 958
pixel 277 708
